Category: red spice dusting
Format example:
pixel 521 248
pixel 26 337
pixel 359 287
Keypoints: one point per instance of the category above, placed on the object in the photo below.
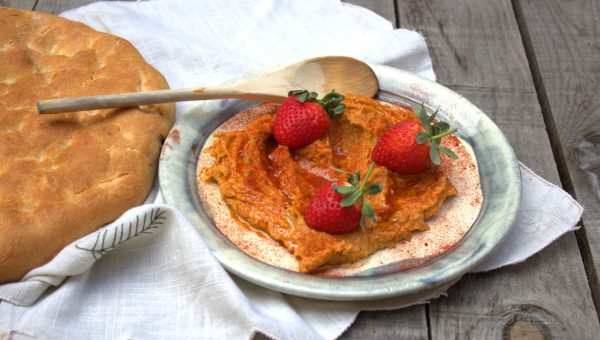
pixel 446 246
pixel 246 227
pixel 166 146
pixel 174 136
pixel 444 231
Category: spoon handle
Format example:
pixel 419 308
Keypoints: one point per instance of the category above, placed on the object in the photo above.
pixel 150 97
pixel 115 100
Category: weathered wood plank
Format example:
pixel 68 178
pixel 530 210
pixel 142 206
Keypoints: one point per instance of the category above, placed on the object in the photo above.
pixel 477 50
pixel 384 8
pixel 498 91
pixel 21 4
pixel 59 6
pixel 409 323
pixel 564 42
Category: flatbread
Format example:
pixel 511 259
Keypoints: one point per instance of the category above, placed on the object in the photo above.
pixel 63 176
pixel 446 229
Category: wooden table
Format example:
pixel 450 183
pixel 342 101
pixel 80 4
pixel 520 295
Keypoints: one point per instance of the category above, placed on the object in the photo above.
pixel 534 68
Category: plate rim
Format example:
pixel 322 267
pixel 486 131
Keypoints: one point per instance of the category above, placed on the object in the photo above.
pixel 354 288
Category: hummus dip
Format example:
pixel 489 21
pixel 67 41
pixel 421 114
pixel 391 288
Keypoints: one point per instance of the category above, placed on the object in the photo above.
pixel 256 190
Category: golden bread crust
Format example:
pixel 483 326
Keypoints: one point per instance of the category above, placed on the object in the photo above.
pixel 63 176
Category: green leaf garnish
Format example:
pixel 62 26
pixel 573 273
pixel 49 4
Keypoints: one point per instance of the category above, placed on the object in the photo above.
pixel 351 198
pixel 443 126
pixel 354 193
pixel 342 171
pixel 302 97
pixel 448 152
pixel 367 211
pixel 421 137
pixel 434 132
pixel 343 189
pixel 331 102
pixel 339 109
pixel 353 178
pixel 422 114
pixel 430 119
pixel 434 154
pixel 373 189
pixel 293 92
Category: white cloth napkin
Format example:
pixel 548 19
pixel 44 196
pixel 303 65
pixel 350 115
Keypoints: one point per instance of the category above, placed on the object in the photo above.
pixel 160 280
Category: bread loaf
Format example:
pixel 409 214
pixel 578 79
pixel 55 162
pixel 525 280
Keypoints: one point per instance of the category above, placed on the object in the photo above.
pixel 63 176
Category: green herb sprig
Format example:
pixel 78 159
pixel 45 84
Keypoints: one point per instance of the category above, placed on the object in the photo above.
pixel 331 102
pixel 433 134
pixel 355 191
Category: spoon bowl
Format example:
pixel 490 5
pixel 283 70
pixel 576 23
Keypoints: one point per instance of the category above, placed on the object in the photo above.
pixel 321 74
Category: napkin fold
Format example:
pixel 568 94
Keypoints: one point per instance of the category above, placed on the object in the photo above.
pixel 161 280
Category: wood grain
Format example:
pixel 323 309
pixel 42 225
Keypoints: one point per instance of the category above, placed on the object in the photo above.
pixel 384 8
pixel 59 6
pixel 21 4
pixel 565 47
pixel 408 323
pixel 477 50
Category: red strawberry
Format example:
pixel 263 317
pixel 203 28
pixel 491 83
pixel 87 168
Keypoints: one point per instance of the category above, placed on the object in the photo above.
pixel 333 207
pixel 302 118
pixel 398 150
pixel 410 147
pixel 325 213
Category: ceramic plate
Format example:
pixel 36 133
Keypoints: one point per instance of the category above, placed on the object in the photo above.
pixel 500 184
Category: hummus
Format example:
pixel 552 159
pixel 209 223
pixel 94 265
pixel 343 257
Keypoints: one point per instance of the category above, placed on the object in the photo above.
pixel 267 186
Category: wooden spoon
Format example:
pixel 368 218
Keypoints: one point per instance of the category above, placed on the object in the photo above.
pixel 322 74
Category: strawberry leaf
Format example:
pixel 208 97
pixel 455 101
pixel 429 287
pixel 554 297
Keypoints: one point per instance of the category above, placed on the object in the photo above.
pixel 351 198
pixel 434 132
pixel 443 126
pixel 367 212
pixel 354 179
pixel 343 189
pixel 438 137
pixel 448 152
pixel 421 137
pixel 434 154
pixel 302 96
pixel 332 103
pixel 333 96
pixel 339 109
pixel 343 171
pixel 430 119
pixel 294 92
pixel 422 114
pixel 373 188
pixel 355 192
